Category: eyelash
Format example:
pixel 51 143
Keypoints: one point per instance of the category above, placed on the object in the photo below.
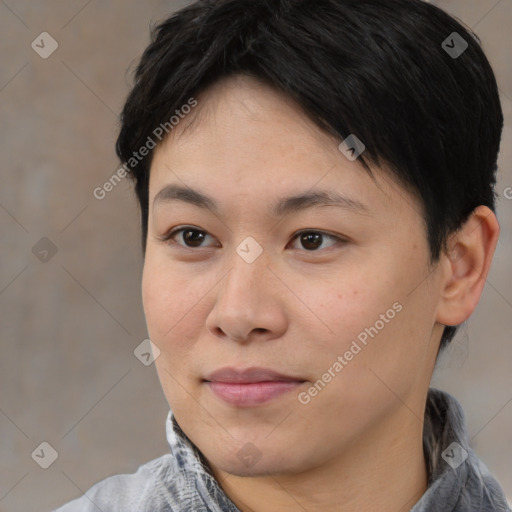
pixel 171 234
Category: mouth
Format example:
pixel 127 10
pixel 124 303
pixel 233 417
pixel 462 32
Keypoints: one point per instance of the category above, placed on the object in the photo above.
pixel 251 386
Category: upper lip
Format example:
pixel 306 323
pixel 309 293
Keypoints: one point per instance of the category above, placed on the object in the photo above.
pixel 247 375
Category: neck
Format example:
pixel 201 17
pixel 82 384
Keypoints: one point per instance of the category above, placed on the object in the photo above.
pixel 383 470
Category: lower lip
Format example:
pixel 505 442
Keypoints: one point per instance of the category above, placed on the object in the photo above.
pixel 251 393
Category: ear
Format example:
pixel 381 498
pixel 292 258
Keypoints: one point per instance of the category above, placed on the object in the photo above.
pixel 466 266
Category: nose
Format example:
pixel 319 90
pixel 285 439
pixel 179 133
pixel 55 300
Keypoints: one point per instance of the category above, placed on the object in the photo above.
pixel 249 302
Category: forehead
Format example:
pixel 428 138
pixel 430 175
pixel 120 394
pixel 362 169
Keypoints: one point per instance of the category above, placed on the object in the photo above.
pixel 245 137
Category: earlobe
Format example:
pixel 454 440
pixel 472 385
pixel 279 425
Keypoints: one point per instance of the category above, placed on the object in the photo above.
pixel 466 264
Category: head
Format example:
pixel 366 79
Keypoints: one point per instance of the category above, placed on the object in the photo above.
pixel 244 104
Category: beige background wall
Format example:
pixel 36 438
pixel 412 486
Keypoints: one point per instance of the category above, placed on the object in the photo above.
pixel 68 326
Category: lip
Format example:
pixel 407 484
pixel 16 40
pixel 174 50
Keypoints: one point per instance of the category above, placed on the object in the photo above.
pixel 250 386
pixel 255 393
pixel 249 375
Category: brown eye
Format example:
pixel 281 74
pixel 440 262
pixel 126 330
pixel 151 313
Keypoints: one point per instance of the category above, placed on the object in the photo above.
pixel 193 237
pixel 190 236
pixel 312 240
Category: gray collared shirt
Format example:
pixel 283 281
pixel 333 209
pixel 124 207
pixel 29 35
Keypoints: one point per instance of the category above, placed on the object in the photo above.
pixel 181 481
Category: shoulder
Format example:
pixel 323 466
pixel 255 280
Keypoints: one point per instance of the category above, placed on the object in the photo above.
pixel 154 486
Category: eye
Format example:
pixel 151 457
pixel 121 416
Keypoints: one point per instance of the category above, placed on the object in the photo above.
pixel 311 240
pixel 192 236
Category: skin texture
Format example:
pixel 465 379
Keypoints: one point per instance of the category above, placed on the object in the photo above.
pixel 357 444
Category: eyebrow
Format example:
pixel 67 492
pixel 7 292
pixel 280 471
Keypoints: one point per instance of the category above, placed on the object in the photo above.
pixel 280 208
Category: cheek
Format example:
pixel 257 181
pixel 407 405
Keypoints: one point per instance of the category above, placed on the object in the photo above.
pixel 157 299
pixel 166 299
pixel 382 333
pixel 364 315
pixel 355 303
pixel 174 306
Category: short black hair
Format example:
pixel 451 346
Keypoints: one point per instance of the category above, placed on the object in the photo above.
pixel 379 69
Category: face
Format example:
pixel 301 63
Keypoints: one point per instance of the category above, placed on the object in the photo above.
pixel 337 296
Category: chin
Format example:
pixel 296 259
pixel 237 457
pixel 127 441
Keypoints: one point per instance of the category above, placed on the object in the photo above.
pixel 262 468
pixel 248 459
